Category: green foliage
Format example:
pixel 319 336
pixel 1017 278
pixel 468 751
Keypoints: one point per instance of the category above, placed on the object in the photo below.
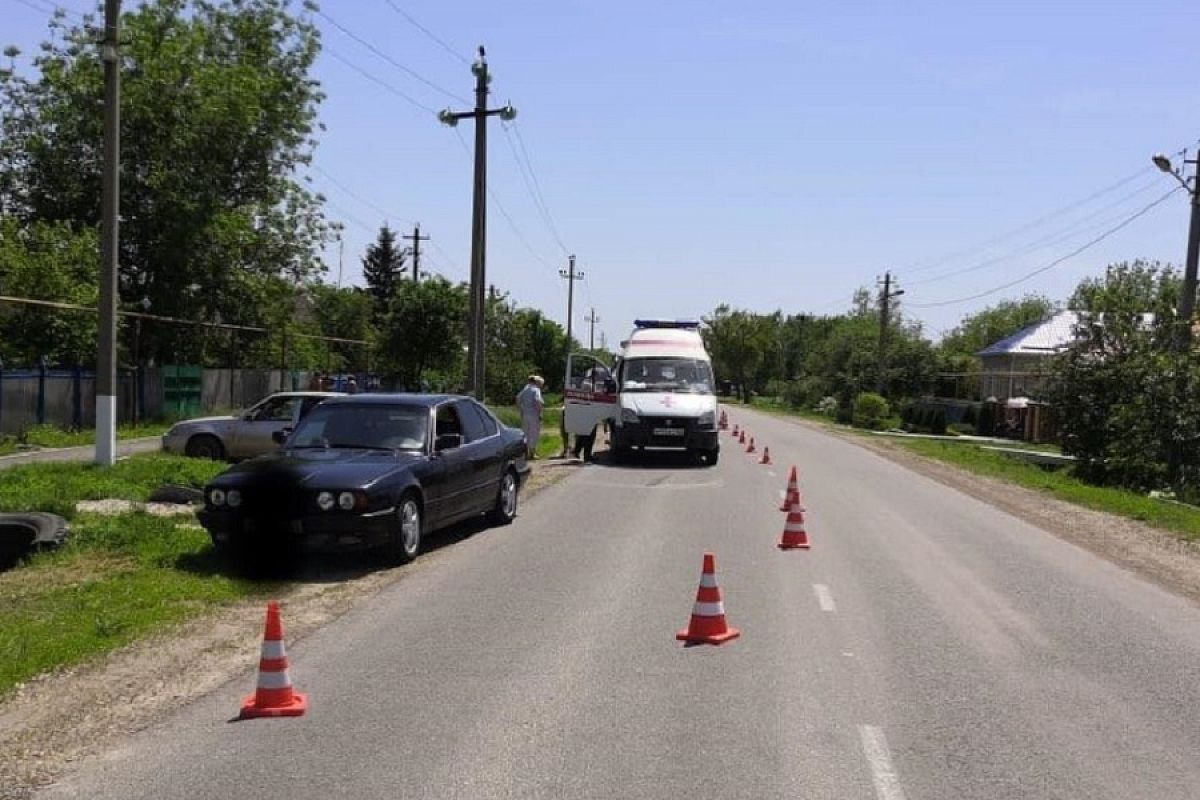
pixel 346 314
pixel 218 115
pixel 738 343
pixel 48 261
pixel 425 327
pixel 383 268
pixel 870 411
pixel 1129 403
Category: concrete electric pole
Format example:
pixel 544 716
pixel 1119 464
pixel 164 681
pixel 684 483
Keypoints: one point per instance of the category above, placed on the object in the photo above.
pixel 592 319
pixel 571 275
pixel 885 307
pixel 110 197
pixel 479 216
pixel 1187 295
pixel 416 239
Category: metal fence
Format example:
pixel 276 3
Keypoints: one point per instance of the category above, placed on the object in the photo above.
pixel 65 398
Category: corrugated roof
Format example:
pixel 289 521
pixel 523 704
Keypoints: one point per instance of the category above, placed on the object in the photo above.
pixel 1042 338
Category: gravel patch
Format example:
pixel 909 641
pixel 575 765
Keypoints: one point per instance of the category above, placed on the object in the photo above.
pixel 113 506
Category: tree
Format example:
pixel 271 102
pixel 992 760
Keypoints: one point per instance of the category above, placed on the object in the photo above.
pixel 383 266
pixel 48 262
pixel 218 115
pixel 1128 404
pixel 425 327
pixel 737 342
pixel 344 313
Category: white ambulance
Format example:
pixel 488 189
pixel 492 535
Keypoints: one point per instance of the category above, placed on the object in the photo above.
pixel 659 394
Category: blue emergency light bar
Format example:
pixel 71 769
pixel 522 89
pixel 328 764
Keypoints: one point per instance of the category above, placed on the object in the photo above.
pixel 690 324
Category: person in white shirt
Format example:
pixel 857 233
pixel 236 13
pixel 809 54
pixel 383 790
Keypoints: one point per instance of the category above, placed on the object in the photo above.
pixel 530 403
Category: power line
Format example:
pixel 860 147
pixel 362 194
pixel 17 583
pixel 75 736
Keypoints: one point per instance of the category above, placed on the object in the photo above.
pixel 366 202
pixel 504 212
pixel 526 177
pixel 541 198
pixel 369 76
pixel 49 8
pixel 1071 231
pixel 452 51
pixel 1052 215
pixel 381 54
pixel 1055 262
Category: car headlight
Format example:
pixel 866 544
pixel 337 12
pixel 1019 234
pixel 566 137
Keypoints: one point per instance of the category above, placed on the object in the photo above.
pixel 707 420
pixel 217 497
pixel 628 415
pixel 234 498
pixel 325 501
pixel 346 501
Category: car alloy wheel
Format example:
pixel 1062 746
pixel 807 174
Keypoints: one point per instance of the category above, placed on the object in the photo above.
pixel 506 500
pixel 408 533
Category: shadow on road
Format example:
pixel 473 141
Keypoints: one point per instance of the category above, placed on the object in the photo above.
pixel 294 564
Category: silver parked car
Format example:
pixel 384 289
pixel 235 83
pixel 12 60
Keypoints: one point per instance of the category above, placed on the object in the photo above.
pixel 246 435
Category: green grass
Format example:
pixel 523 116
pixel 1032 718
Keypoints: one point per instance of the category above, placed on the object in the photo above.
pixel 50 436
pixel 550 442
pixel 118 578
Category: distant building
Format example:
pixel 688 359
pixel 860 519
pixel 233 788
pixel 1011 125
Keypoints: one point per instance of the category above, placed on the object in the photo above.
pixel 1018 365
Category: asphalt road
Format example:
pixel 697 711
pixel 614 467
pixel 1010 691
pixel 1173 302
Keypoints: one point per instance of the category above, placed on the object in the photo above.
pixel 128 447
pixel 928 646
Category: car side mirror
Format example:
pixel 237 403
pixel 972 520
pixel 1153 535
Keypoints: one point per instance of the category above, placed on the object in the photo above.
pixel 447 441
pixel 610 386
pixel 280 436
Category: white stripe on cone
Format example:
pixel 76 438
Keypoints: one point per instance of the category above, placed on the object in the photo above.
pixel 708 580
pixel 272 649
pixel 274 680
pixel 708 609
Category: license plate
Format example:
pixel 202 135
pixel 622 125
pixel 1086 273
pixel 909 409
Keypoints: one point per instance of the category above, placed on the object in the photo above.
pixel 668 431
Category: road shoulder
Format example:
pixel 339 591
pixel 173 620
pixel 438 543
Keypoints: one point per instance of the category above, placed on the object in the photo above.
pixel 1153 553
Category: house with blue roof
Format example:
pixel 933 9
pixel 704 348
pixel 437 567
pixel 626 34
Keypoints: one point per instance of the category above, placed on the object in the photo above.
pixel 1019 365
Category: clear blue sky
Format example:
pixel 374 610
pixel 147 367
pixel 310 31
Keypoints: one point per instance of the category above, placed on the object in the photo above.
pixel 769 155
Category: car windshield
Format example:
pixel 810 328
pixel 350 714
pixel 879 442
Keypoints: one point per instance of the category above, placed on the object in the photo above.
pixel 667 374
pixel 365 425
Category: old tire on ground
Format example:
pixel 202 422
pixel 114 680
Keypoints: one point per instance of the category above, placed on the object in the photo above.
pixel 505 510
pixel 33 530
pixel 205 445
pixel 183 495
pixel 405 542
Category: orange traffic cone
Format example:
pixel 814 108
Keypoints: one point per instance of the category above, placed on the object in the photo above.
pixel 708 624
pixel 724 423
pixel 750 447
pixel 735 430
pixel 742 437
pixel 274 696
pixel 791 496
pixel 766 456
pixel 794 535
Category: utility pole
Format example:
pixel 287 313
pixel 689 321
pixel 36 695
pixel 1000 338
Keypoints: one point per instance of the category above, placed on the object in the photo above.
pixel 571 276
pixel 479 215
pixel 341 256
pixel 885 307
pixel 1187 296
pixel 416 239
pixel 110 198
pixel 592 319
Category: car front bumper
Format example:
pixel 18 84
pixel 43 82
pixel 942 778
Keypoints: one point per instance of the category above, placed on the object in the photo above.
pixel 650 432
pixel 174 442
pixel 326 531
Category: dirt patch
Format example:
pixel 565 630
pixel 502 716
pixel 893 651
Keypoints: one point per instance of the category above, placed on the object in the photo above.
pixel 42 730
pixel 1151 552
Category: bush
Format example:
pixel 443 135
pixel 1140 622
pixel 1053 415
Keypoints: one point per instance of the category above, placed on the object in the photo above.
pixel 828 406
pixel 870 411
pixel 778 389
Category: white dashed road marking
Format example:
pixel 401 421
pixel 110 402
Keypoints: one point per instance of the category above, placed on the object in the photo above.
pixel 824 597
pixel 887 782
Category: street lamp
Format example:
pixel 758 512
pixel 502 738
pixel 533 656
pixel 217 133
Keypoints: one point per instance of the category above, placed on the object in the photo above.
pixel 1187 296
